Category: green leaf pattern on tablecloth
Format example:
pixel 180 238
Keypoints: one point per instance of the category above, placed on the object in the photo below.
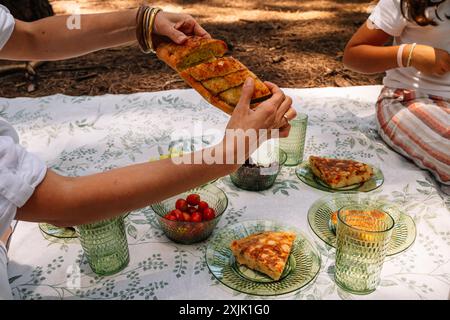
pixel 83 135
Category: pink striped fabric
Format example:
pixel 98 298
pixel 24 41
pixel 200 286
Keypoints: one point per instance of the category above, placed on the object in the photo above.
pixel 417 126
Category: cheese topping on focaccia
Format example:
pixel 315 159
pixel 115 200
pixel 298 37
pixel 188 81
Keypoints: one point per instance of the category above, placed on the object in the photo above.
pixel 364 220
pixel 266 252
pixel 340 173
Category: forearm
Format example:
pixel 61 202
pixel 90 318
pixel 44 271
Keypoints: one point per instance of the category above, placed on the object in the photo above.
pixel 51 39
pixel 73 201
pixel 371 59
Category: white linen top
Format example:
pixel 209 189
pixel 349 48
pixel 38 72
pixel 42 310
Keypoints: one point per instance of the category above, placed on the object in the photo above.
pixel 20 171
pixel 387 16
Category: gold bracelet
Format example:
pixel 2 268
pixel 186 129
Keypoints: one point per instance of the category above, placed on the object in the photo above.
pixel 151 25
pixel 413 46
pixel 145 28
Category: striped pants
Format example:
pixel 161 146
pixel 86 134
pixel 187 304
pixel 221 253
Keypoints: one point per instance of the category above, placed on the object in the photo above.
pixel 417 126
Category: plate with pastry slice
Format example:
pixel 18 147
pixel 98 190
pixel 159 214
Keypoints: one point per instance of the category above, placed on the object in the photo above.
pixel 322 218
pixel 263 258
pixel 334 175
pixel 202 64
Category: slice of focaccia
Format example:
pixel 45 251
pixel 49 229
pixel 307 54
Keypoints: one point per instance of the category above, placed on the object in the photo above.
pixel 215 68
pixel 232 96
pixel 214 100
pixel 339 173
pixel 192 52
pixel 218 79
pixel 364 220
pixel 266 252
pixel 219 84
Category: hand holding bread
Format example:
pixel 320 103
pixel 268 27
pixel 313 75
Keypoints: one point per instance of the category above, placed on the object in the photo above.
pixel 201 63
pixel 229 85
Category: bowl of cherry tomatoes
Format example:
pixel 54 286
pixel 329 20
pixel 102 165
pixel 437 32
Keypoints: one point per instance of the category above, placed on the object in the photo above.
pixel 191 217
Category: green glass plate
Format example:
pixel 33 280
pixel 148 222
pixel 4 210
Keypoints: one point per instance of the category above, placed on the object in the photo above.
pixel 305 174
pixel 404 232
pixel 302 266
pixel 57 232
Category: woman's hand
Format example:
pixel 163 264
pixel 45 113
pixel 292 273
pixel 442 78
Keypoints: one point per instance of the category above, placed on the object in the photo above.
pixel 269 115
pixel 178 26
pixel 429 60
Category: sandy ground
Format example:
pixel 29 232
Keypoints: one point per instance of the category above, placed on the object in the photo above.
pixel 292 43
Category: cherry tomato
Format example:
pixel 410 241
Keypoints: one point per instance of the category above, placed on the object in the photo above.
pixel 186 216
pixel 191 210
pixel 196 217
pixel 178 214
pixel 181 205
pixel 202 205
pixel 193 199
pixel 209 214
pixel 170 216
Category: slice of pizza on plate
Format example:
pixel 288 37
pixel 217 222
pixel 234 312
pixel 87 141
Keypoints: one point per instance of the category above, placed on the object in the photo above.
pixel 339 173
pixel 266 252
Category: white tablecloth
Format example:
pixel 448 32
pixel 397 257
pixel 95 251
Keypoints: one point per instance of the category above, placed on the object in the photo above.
pixel 82 135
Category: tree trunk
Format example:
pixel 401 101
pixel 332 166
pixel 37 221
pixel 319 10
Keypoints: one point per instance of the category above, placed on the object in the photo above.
pixel 28 10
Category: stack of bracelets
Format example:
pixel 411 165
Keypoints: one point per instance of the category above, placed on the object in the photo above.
pixel 145 20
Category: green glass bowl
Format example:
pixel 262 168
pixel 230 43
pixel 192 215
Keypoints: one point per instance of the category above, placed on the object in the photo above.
pixel 258 178
pixel 192 232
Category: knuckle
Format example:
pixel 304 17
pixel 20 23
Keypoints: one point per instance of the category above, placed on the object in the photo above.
pixel 270 109
pixel 289 100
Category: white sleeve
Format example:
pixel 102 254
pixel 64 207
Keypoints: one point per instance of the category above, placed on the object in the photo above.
pixel 7 23
pixel 20 173
pixel 388 17
pixel 5 289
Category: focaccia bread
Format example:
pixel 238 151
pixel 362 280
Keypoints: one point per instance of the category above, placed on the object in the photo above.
pixel 369 224
pixel 192 52
pixel 219 67
pixel 339 173
pixel 218 79
pixel 266 252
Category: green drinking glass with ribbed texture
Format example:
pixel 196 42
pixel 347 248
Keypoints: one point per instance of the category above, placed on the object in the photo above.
pixel 105 245
pixel 294 144
pixel 363 235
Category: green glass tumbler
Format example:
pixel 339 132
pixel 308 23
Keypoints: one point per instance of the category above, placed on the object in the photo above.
pixel 362 239
pixel 105 245
pixel 294 145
